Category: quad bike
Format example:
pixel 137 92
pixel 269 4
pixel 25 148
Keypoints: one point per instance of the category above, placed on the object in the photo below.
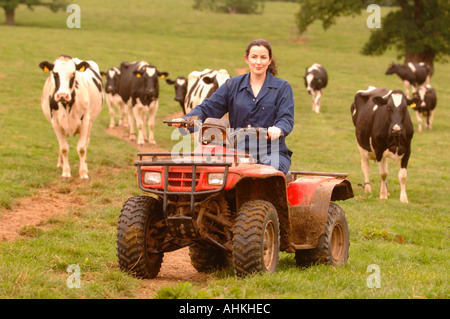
pixel 230 210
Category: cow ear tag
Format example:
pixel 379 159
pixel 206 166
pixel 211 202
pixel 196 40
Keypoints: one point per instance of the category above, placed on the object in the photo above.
pixel 138 75
pixel 413 105
pixel 162 76
pixel 46 70
pixel 82 69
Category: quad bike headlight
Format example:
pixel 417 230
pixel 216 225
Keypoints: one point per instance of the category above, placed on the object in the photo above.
pixel 215 179
pixel 152 178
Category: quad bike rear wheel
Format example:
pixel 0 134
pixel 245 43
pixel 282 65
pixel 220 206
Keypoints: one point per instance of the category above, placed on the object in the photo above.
pixel 333 245
pixel 207 259
pixel 256 238
pixel 138 237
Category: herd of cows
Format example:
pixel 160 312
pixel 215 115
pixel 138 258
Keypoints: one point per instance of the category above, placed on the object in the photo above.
pixel 73 97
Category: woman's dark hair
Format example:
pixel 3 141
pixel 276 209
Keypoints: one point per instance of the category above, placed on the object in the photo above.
pixel 261 42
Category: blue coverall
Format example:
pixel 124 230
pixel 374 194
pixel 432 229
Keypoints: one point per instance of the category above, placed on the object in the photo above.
pixel 274 106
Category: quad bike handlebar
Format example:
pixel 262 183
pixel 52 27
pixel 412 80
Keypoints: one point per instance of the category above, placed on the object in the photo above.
pixel 190 122
pixel 183 123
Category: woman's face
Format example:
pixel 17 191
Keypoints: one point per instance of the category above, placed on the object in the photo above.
pixel 258 59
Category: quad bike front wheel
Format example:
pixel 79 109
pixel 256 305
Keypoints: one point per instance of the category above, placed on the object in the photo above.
pixel 333 245
pixel 256 238
pixel 138 237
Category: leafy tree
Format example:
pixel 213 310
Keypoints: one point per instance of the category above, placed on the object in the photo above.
pixel 10 7
pixel 418 30
pixel 230 6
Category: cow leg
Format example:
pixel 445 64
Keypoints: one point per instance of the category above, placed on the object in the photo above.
pixel 60 163
pixel 123 121
pixel 430 120
pixel 130 109
pixel 313 99
pixel 318 95
pixel 109 102
pixel 383 169
pixel 402 180
pixel 144 115
pixel 365 169
pixel 151 121
pixel 419 120
pixel 137 111
pixel 82 146
pixel 406 85
pixel 63 155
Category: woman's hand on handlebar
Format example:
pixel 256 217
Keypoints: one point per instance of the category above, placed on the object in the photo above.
pixel 274 133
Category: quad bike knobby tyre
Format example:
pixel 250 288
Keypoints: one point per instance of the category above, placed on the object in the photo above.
pixel 137 237
pixel 256 238
pixel 333 244
pixel 207 259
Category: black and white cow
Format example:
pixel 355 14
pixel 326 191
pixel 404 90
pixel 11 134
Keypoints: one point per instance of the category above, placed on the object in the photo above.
pixel 412 74
pixel 316 80
pixel 113 98
pixel 71 100
pixel 202 85
pixel 425 108
pixel 180 85
pixel 139 90
pixel 383 129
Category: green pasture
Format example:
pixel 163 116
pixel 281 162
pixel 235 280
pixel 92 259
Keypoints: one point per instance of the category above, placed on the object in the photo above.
pixel 177 39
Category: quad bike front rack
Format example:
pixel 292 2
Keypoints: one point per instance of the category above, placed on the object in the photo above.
pixel 171 163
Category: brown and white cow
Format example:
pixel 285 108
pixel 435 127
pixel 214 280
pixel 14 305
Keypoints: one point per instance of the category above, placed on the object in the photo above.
pixel 71 100
pixel 316 80
pixel 383 130
pixel 113 99
pixel 412 74
pixel 425 108
pixel 139 90
pixel 202 85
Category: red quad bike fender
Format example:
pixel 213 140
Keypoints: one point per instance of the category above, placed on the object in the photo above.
pixel 309 199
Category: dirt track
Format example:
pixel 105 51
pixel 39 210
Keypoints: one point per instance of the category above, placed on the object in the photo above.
pixel 35 210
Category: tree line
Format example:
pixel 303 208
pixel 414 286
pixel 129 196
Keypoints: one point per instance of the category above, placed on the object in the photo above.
pixel 418 30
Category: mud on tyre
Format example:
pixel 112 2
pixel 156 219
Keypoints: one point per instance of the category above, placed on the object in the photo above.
pixel 256 238
pixel 138 237
pixel 333 245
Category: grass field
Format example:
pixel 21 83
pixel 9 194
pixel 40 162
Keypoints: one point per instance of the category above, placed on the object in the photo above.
pixel 177 39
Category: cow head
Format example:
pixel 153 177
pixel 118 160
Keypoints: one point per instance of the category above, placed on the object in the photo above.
pixel 315 78
pixel 311 82
pixel 147 77
pixel 424 95
pixel 63 70
pixel 180 88
pixel 391 68
pixel 112 80
pixel 397 106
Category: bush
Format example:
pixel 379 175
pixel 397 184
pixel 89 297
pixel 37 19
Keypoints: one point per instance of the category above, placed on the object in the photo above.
pixel 230 6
